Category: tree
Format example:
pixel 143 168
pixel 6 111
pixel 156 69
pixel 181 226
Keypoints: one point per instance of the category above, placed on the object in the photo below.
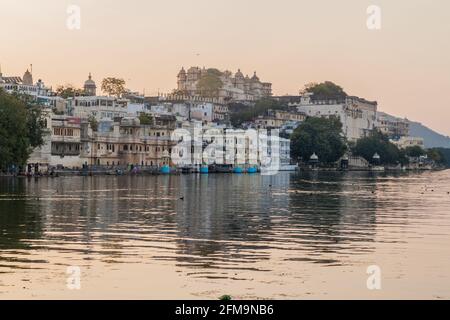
pixel 35 121
pixel 145 119
pixel 93 123
pixel 210 83
pixel 21 129
pixel 438 156
pixel 68 90
pixel 414 151
pixel 322 136
pixel 241 113
pixel 379 143
pixel 114 86
pixel 442 155
pixel 325 91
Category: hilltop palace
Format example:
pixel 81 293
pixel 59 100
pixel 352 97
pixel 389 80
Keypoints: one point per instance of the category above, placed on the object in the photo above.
pixel 237 87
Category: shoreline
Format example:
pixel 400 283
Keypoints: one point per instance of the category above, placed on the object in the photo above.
pixel 80 173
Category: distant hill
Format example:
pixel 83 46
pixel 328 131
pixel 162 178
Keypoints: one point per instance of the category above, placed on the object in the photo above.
pixel 431 138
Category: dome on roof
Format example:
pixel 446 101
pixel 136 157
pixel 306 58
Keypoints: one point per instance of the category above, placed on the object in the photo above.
pixel 255 77
pixel 89 82
pixel 239 74
pixel 90 88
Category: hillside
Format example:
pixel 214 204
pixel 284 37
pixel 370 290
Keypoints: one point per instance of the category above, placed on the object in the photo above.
pixel 431 138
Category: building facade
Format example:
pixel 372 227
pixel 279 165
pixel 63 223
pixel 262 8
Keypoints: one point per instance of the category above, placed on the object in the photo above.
pixel 24 85
pixel 395 128
pixel 358 116
pixel 235 87
pixel 99 107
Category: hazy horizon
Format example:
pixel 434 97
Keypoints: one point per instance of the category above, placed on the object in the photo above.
pixel 404 66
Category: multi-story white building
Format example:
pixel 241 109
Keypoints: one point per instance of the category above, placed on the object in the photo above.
pixel 393 127
pixel 358 116
pixel 99 107
pixel 192 107
pixel 24 85
pixel 62 144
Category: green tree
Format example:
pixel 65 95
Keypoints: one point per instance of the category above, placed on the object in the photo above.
pixel 145 119
pixel 437 155
pixel 210 83
pixel 379 143
pixel 93 123
pixel 325 91
pixel 241 113
pixel 21 129
pixel 35 121
pixel 414 151
pixel 68 90
pixel 322 136
pixel 443 155
pixel 113 86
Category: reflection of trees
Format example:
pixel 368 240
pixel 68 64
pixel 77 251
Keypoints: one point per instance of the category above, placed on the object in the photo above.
pixel 20 217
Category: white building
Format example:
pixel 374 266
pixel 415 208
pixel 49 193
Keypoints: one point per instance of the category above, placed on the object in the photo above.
pixel 99 107
pixel 62 143
pixel 405 142
pixel 202 111
pixel 24 85
pixel 358 116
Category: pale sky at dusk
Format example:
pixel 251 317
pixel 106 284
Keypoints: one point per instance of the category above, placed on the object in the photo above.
pixel 405 66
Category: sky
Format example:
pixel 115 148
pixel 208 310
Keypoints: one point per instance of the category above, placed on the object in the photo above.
pixel 404 65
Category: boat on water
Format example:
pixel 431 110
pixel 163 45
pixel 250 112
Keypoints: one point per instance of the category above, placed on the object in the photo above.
pixel 165 169
pixel 204 169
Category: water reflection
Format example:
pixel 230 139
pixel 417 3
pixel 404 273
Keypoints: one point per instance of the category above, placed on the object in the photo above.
pixel 213 226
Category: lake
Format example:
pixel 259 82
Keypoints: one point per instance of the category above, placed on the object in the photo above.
pixel 289 236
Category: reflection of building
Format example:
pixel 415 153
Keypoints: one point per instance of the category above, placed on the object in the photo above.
pixel 358 116
pixel 235 87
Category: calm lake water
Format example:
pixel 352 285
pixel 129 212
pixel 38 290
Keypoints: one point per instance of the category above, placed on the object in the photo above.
pixel 289 236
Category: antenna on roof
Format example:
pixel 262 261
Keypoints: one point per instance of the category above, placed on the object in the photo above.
pixel 31 68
